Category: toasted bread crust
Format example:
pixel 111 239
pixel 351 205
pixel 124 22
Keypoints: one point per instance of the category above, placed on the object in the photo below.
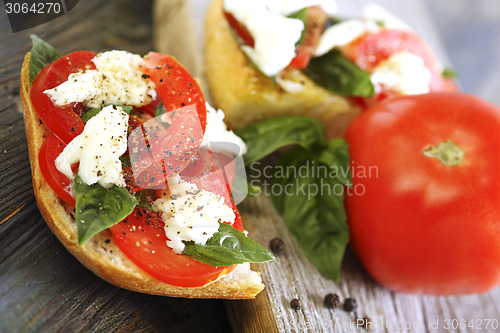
pixel 247 96
pixel 105 259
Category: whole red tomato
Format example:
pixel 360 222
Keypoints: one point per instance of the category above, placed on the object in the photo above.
pixel 425 217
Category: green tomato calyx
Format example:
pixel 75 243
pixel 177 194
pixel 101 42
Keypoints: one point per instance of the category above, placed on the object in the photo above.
pixel 446 152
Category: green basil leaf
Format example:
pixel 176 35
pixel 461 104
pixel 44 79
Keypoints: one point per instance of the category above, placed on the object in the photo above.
pixel 125 159
pixel 160 110
pixel 253 190
pixel 338 74
pixel 98 208
pixel 315 215
pixel 311 200
pixel 312 176
pixel 93 112
pixel 126 108
pixel 145 199
pixel 228 247
pixel 285 169
pixel 336 156
pixel 266 136
pixel 89 114
pixel 42 54
pixel 301 15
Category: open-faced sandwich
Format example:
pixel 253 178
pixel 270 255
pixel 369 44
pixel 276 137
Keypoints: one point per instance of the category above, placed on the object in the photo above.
pixel 124 179
pixel 268 58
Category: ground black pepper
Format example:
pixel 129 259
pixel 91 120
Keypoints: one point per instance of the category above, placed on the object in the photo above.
pixel 331 300
pixel 276 245
pixel 350 304
pixel 295 304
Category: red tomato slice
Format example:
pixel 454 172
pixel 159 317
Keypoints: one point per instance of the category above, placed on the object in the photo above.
pixel 63 121
pixel 240 30
pixel 176 87
pixel 160 151
pixel 371 49
pixel 316 19
pixel 141 237
pixel 52 146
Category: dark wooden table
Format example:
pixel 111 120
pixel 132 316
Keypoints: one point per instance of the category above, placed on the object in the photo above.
pixel 42 287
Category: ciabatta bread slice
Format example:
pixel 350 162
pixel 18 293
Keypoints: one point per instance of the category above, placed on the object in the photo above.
pixel 247 96
pixel 100 254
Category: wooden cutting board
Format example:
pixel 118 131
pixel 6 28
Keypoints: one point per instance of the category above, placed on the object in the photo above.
pixel 293 276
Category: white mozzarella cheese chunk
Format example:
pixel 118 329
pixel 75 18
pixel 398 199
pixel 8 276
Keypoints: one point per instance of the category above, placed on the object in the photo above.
pixel 274 35
pixel 343 33
pixel 218 137
pixel 404 73
pixel 374 18
pixel 98 149
pixel 191 214
pixel 116 80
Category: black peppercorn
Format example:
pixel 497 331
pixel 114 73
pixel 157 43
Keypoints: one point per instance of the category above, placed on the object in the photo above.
pixel 350 304
pixel 331 300
pixel 295 304
pixel 276 245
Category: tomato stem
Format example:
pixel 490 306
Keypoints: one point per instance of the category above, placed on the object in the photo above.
pixel 446 152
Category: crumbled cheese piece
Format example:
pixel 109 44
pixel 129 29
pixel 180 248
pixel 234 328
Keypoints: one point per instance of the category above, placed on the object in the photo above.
pixel 117 80
pixel 98 149
pixel 218 137
pixel 404 73
pixel 191 214
pixel 274 35
pixel 346 32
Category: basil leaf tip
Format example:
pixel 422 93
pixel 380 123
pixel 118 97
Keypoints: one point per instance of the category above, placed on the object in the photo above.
pixel 98 208
pixel 228 247
pixel 42 54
